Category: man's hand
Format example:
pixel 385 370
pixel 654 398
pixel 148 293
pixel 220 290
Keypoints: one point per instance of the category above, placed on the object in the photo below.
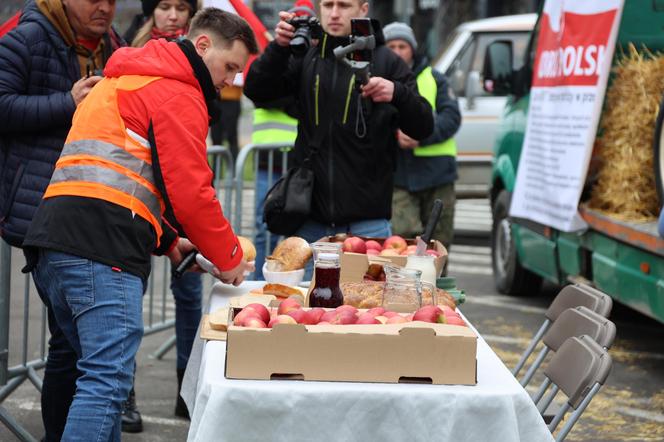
pixel 181 249
pixel 406 142
pixel 379 90
pixel 234 276
pixel 82 88
pixel 284 32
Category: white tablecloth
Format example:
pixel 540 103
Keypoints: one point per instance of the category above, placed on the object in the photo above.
pixel 496 409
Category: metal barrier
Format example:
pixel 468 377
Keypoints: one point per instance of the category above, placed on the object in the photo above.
pixel 245 190
pixel 221 161
pixel 158 308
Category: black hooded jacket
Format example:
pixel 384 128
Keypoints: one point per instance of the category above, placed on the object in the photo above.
pixel 354 164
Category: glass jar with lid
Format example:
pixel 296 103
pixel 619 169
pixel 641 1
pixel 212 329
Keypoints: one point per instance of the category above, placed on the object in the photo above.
pixel 327 272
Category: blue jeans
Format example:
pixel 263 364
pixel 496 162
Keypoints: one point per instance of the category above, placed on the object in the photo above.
pixel 261 235
pixel 99 310
pixel 60 374
pixel 313 231
pixel 188 294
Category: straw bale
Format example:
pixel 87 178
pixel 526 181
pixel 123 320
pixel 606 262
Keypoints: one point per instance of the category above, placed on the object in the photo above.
pixel 625 188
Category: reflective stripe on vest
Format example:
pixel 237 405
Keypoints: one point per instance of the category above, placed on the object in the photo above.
pixel 102 159
pixel 273 126
pixel 427 87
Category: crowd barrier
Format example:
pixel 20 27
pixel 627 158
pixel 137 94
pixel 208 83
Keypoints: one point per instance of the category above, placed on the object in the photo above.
pixel 25 316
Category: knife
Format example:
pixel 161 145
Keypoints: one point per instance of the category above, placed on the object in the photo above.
pixel 186 262
pixel 423 240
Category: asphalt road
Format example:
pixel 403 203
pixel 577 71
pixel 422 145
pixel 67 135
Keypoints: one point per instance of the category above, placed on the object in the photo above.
pixel 629 407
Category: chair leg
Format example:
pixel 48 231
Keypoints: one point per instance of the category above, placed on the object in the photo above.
pixel 543 387
pixel 577 413
pixel 559 417
pixel 531 346
pixel 547 401
pixel 535 365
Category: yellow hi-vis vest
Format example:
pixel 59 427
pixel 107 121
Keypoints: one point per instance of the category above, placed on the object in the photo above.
pixel 427 87
pixel 273 126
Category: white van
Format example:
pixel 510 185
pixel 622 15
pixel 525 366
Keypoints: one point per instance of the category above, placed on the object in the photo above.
pixel 462 60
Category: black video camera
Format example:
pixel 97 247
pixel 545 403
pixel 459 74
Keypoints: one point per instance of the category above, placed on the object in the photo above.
pixel 306 29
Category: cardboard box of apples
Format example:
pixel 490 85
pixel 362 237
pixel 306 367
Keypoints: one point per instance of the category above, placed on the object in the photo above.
pixel 358 250
pixel 288 341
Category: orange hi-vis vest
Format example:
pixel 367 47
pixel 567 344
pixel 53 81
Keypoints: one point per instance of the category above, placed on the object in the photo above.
pixel 103 159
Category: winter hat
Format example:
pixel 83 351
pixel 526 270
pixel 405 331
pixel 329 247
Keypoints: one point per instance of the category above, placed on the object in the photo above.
pixel 303 7
pixel 400 31
pixel 150 5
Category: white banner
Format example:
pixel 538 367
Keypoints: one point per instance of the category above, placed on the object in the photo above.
pixel 574 51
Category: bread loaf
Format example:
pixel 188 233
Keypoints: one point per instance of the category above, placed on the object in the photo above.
pixel 290 254
pixel 248 249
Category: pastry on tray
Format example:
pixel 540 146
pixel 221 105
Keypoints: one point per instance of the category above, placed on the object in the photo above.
pixel 279 290
pixel 369 294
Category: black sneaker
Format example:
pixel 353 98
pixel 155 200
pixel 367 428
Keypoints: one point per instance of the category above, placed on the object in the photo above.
pixel 131 417
pixel 180 407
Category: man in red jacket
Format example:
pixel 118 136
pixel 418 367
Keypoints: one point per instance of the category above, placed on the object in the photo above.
pixel 133 172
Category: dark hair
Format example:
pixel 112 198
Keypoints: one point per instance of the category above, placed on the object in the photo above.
pixel 224 25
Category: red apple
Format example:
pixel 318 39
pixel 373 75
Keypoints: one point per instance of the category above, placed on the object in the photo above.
pixel 373 245
pixel 287 305
pixel 262 311
pixel 366 318
pixel 354 244
pixel 395 242
pixel 253 322
pixel 345 317
pixel 346 307
pixel 298 315
pixel 389 252
pixel 397 320
pixel 373 252
pixel 382 319
pixel 324 323
pixel 281 319
pixel 312 317
pixel 409 318
pixel 410 250
pixel 447 309
pixel 454 320
pixel 240 317
pixel 376 311
pixel 433 252
pixel 428 313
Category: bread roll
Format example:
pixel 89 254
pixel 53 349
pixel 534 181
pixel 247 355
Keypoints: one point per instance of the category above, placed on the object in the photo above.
pixel 248 249
pixel 290 254
pixel 219 319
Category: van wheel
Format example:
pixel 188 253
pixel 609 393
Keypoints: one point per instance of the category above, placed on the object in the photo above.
pixel 509 276
pixel 658 145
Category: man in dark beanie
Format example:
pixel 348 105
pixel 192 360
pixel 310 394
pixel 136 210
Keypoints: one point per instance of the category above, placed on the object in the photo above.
pixel 425 169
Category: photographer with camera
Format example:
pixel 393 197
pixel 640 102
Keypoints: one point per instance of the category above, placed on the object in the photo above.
pixel 346 133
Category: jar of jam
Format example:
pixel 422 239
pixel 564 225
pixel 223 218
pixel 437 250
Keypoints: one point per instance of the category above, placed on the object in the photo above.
pixel 327 271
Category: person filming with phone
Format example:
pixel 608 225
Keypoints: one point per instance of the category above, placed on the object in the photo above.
pixel 348 123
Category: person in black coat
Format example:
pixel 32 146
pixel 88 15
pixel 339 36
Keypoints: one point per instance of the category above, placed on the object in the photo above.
pixel 48 64
pixel 356 125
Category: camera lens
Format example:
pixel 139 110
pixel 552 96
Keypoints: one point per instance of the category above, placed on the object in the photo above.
pixel 300 42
